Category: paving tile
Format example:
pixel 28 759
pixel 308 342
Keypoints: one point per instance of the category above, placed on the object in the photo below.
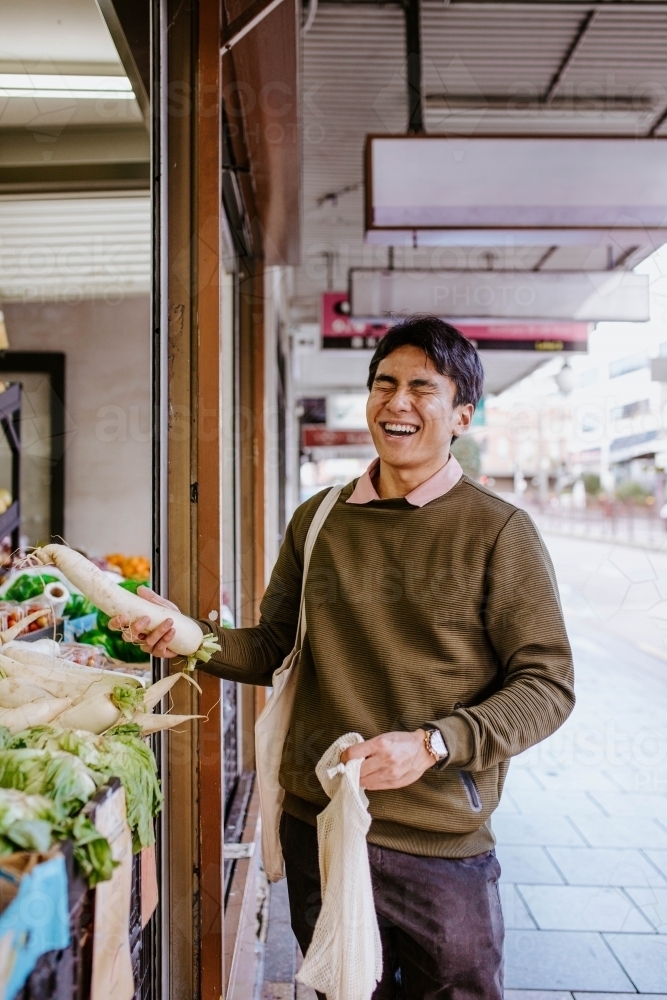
pixel 280 948
pixel 629 779
pixel 572 803
pixel 583 908
pixel 528 865
pixel 538 995
pixel 521 777
pixel 619 996
pixel 569 778
pixel 653 782
pixel 632 804
pixel 562 960
pixel 277 991
pixel 515 914
pixel 605 866
pixel 621 831
pixel 536 830
pixel 653 904
pixel 644 958
pixel 659 859
pixel 507 804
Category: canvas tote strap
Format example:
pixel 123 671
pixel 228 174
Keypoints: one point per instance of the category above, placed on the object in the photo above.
pixel 321 515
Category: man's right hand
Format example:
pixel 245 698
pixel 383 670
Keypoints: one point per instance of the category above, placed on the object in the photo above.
pixel 156 642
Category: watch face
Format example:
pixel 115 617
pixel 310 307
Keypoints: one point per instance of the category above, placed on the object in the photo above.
pixel 437 743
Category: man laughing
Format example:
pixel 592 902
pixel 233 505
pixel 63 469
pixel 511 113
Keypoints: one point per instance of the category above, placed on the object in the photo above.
pixel 435 631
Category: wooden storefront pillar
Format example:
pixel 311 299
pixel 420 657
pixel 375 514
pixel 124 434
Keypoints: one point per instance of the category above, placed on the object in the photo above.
pixel 189 157
pixel 209 470
pixel 173 164
pixel 252 393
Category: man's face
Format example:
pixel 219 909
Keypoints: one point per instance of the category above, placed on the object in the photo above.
pixel 410 410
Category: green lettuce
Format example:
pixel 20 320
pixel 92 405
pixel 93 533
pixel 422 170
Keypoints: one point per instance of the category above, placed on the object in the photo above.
pixel 26 821
pixel 34 823
pixel 60 776
pixel 92 851
pixel 121 753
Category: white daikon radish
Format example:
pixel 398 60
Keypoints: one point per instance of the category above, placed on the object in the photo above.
pixel 33 652
pixel 189 640
pixel 157 691
pixel 24 653
pixel 36 713
pixel 14 692
pixel 94 715
pixel 153 723
pixel 47 646
pixel 99 711
pixel 21 625
pixel 62 682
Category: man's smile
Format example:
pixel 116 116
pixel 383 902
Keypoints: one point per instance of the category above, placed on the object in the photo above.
pixel 395 429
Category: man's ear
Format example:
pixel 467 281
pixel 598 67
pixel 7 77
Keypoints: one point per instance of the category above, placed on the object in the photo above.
pixel 465 414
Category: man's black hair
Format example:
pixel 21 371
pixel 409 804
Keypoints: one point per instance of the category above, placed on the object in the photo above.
pixel 451 353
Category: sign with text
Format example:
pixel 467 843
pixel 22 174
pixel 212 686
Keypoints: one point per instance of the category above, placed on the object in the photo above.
pixel 487 336
pixel 340 331
pixel 320 436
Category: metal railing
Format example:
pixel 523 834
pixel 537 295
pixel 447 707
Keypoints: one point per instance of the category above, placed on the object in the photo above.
pixel 613 521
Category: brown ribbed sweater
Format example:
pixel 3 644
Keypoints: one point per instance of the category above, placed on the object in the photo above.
pixel 447 613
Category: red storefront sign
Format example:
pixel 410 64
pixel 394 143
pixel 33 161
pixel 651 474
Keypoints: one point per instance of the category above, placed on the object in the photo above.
pixel 339 331
pixel 318 436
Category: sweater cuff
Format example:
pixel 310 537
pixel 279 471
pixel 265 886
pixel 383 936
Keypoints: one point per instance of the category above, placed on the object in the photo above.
pixel 458 737
pixel 206 626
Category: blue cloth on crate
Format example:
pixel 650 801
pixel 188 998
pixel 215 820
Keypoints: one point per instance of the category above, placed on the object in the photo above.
pixel 38 919
pixel 74 627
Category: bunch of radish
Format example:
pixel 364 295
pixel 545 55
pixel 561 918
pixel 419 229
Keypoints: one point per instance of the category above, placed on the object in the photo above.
pixel 38 687
pixel 41 689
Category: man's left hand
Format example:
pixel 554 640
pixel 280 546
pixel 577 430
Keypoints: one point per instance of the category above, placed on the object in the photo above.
pixel 392 760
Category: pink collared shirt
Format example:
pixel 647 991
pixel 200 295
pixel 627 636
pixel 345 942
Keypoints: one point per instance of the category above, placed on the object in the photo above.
pixel 439 484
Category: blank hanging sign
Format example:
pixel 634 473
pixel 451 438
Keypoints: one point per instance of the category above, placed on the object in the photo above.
pixel 433 182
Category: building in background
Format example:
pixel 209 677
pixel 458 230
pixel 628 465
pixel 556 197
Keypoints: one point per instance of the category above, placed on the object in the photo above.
pixel 599 419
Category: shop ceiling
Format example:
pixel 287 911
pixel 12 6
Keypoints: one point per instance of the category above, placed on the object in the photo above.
pixel 72 98
pixel 488 67
pixel 74 151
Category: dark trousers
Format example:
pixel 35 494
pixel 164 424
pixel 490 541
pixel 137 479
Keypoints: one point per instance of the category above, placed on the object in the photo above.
pixel 440 919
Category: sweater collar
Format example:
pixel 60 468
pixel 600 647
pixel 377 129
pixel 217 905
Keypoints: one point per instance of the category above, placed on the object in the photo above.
pixel 439 484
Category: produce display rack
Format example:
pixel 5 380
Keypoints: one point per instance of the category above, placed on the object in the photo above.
pixel 67 974
pixel 10 420
pixel 44 633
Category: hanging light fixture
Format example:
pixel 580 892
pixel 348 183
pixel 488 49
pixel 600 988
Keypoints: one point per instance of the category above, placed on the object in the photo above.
pixel 565 380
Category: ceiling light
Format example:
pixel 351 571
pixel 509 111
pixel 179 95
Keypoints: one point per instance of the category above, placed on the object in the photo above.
pixel 566 379
pixel 58 85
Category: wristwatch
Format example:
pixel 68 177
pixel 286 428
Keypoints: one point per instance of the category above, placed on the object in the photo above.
pixel 436 746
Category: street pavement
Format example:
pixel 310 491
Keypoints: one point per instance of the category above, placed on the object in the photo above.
pixel 582 826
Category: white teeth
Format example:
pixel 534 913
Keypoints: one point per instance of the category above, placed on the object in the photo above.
pixel 401 428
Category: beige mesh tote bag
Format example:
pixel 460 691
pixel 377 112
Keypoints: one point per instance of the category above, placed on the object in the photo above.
pixel 273 724
pixel 344 959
